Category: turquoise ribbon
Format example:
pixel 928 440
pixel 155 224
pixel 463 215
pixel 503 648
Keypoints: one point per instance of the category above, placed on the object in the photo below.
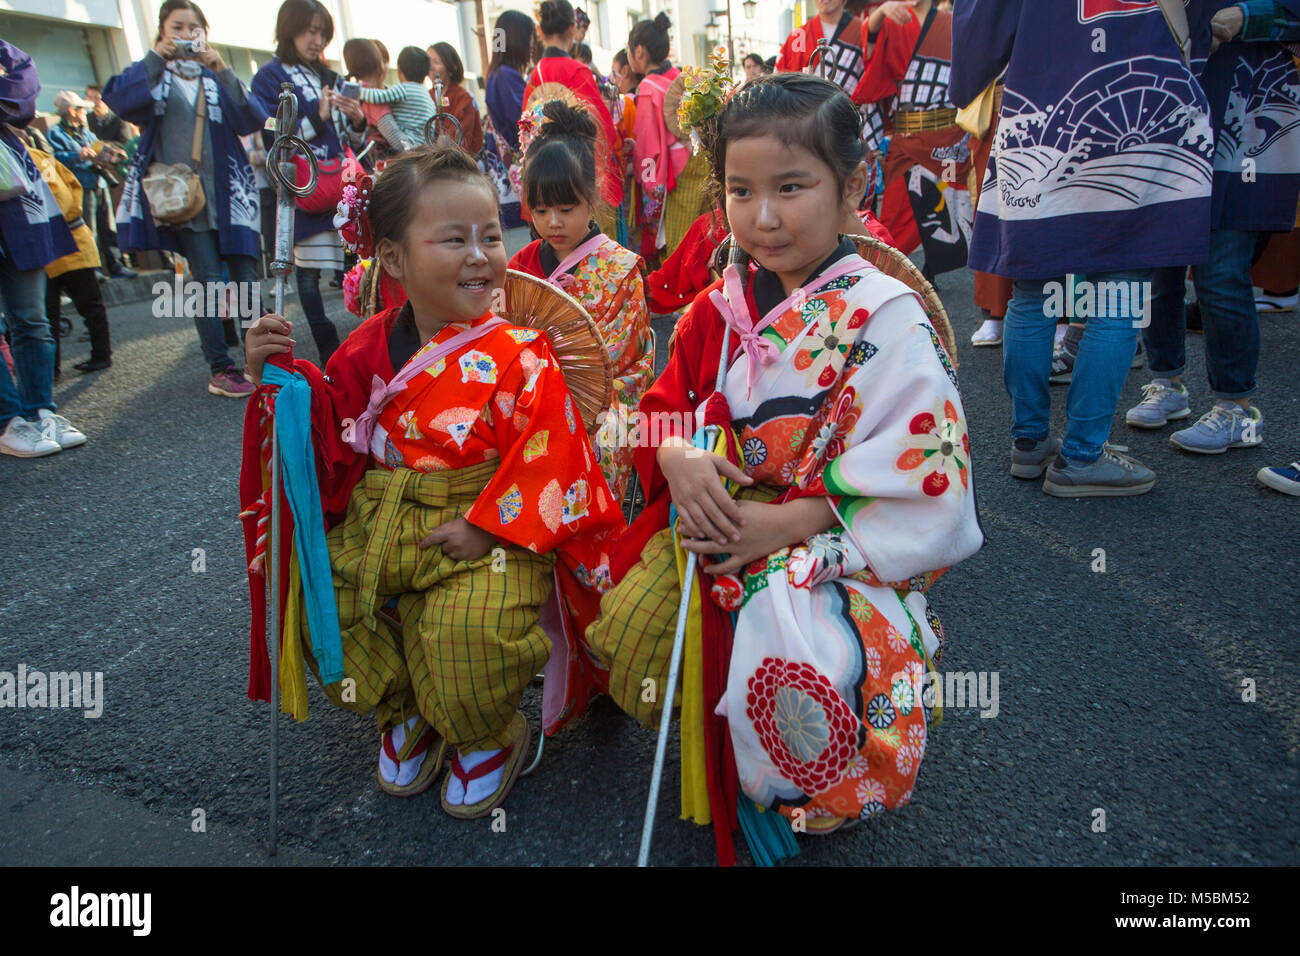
pixel 767 833
pixel 298 472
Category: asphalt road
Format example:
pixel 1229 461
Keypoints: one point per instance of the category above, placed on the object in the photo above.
pixel 1118 691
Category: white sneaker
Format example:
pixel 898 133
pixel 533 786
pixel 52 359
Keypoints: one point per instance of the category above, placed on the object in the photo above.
pixel 23 439
pixel 988 334
pixel 1276 303
pixel 60 429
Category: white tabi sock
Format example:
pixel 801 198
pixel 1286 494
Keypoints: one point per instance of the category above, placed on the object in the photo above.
pixel 400 774
pixel 479 789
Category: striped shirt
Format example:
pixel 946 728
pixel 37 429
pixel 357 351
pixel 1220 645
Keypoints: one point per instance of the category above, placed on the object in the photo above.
pixel 412 106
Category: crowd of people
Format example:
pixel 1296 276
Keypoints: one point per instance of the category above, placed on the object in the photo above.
pixel 1081 180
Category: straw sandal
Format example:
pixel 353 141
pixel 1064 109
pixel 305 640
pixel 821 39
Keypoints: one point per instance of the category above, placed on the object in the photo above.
pixel 511 758
pixel 824 826
pixel 420 739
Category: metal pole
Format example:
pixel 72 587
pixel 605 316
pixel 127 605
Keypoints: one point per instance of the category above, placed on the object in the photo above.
pixel 273 629
pixel 735 256
pixel 283 175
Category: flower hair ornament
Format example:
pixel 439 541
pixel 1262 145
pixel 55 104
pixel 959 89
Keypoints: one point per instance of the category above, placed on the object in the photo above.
pixel 352 220
pixel 695 99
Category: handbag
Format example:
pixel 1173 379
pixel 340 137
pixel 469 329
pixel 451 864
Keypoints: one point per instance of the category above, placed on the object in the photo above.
pixel 329 180
pixel 174 190
pixel 978 116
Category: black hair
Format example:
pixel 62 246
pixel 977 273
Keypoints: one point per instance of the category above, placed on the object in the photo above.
pixel 769 65
pixel 361 58
pixel 653 35
pixel 393 199
pixel 94 86
pixel 560 165
pixel 582 53
pixel 758 60
pixel 455 70
pixel 798 109
pixel 414 64
pixel 171 6
pixel 295 17
pixel 512 41
pixel 556 17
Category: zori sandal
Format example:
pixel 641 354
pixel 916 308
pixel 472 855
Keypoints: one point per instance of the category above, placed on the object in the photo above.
pixel 510 758
pixel 420 739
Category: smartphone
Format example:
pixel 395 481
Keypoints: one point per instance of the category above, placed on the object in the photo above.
pixel 350 89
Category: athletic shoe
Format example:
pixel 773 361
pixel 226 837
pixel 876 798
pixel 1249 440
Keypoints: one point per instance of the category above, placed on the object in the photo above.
pixel 1224 426
pixel 1111 475
pixel 1062 366
pixel 1162 402
pixel 1285 480
pixel 24 439
pixel 1029 458
pixel 60 429
pixel 1266 302
pixel 987 335
pixel 231 383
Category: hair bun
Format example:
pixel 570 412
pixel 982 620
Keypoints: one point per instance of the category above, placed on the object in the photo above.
pixel 662 22
pixel 561 119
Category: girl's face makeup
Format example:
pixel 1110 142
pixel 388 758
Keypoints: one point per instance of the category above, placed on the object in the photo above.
pixel 784 206
pixel 453 257
pixel 562 227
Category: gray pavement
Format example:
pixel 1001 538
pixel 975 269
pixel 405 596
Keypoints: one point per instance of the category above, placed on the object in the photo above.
pixel 1119 691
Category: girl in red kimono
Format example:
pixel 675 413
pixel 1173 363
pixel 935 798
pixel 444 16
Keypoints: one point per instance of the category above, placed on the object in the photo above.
pixel 845 442
pixel 559 181
pixel 454 477
pixel 556 65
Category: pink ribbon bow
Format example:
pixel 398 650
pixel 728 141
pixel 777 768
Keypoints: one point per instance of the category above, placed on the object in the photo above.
pixel 381 392
pixel 731 305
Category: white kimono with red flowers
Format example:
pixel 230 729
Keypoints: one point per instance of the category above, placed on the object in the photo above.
pixel 833 637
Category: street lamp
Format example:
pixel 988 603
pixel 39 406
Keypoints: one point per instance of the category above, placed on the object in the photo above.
pixel 711 30
pixel 750 7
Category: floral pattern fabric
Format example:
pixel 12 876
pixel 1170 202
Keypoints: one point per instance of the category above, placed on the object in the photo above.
pixel 833 636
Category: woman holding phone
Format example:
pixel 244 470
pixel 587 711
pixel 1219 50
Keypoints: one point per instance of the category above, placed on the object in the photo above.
pixel 326 120
pixel 160 94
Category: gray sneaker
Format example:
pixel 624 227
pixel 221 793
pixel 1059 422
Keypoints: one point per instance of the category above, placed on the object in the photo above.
pixel 1111 475
pixel 1062 366
pixel 1031 460
pixel 1162 402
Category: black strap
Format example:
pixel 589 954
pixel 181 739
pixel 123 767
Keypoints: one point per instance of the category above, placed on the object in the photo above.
pixel 925 28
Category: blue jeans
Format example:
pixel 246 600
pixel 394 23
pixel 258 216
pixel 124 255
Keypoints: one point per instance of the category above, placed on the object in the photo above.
pixel 313 306
pixel 203 252
pixel 1105 356
pixel 1228 316
pixel 32 344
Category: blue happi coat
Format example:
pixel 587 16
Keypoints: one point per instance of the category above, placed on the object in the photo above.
pixel 1254 91
pixel 33 232
pixel 322 137
pixel 236 205
pixel 1103 159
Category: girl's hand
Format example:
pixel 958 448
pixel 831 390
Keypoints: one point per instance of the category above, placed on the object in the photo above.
pixel 166 48
pixel 704 509
pixel 324 111
pixel 268 336
pixel 460 540
pixel 767 529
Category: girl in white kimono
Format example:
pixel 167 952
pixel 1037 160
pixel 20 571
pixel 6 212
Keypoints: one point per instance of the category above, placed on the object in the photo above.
pixel 848 446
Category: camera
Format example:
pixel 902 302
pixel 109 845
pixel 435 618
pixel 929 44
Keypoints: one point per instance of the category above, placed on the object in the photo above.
pixel 188 49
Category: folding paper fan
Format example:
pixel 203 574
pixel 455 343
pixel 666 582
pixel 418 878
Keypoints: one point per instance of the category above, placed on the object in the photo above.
pixel 584 359
pixel 673 99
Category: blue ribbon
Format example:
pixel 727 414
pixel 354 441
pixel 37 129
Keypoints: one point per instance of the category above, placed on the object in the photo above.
pixel 298 471
pixel 767 833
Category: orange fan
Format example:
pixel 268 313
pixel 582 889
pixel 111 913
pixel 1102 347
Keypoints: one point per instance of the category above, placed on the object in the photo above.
pixel 584 359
